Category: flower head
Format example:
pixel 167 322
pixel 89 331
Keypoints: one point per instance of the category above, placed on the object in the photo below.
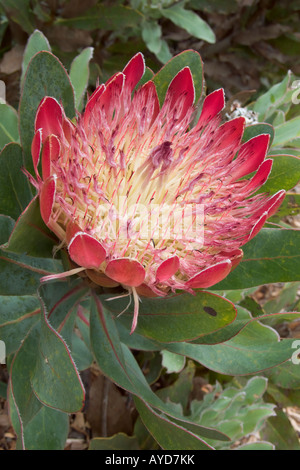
pixel 138 197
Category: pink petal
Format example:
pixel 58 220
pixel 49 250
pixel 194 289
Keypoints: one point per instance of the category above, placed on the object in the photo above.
pixel 276 202
pixel 272 204
pixel 260 176
pixel 49 117
pixel 109 99
pixel 36 148
pixel 212 105
pixel 91 103
pixel 86 251
pixel 72 229
pixel 235 256
pixel 250 156
pixel 51 151
pixel 68 129
pixel 232 132
pixel 210 276
pixel 47 198
pixel 134 71
pixel 149 99
pixel 167 268
pixel 257 227
pixel 126 271
pixel 182 86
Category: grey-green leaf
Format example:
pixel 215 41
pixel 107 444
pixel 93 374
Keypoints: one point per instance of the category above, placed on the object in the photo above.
pixel 191 22
pixel 79 75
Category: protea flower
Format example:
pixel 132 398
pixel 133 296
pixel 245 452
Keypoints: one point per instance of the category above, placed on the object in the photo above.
pixel 125 153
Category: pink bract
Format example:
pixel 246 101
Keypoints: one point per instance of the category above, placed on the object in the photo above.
pixel 127 162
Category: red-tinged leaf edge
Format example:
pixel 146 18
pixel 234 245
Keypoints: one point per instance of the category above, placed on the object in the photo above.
pixel 59 337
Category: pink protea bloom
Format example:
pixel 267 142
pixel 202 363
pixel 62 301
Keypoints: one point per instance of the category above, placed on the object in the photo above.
pixel 126 152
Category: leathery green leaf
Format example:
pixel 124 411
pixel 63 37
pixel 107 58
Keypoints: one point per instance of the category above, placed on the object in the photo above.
pixel 56 381
pixel 180 317
pixel 255 348
pixel 8 125
pixel 273 255
pixel 15 193
pixel 169 435
pixel 118 363
pixel 30 235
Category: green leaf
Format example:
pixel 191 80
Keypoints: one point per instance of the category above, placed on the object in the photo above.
pixel 45 76
pixel 271 100
pixel 79 75
pixel 81 354
pixel 279 118
pixel 37 427
pixel 169 435
pixel 22 396
pixel 286 375
pixel 215 6
pixel 250 304
pixel 253 349
pixel 179 391
pixel 172 362
pixel 254 417
pixel 260 445
pixel 9 131
pixel 17 316
pixel 164 53
pixel 188 58
pixel 15 192
pixel 117 362
pixel 257 129
pixel 255 389
pixel 284 300
pixel 180 317
pixel 30 235
pixel 135 341
pixel 288 131
pixel 151 34
pixel 20 274
pixel 56 381
pixel 280 432
pixel 20 12
pixel 37 42
pixel 48 430
pixel 6 227
pixel 60 299
pixel 102 17
pixel 272 256
pixel 119 441
pixel 189 21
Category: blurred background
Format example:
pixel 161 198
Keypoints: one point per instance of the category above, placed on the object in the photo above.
pixel 245 44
